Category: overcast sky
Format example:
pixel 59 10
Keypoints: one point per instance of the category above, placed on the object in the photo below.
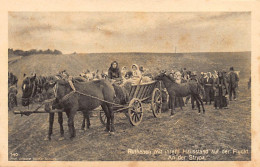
pixel 88 32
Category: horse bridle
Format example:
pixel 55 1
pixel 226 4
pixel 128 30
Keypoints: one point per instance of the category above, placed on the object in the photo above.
pixel 34 89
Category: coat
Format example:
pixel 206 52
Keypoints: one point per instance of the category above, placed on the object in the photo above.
pixel 114 73
pixel 220 85
pixel 233 79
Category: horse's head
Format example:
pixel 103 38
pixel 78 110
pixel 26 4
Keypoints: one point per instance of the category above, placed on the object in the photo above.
pixel 28 89
pixel 61 88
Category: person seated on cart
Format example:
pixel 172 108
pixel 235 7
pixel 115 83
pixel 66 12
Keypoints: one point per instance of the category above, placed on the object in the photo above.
pixel 114 73
pixel 137 75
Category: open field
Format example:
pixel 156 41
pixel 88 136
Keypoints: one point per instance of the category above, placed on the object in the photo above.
pixel 227 129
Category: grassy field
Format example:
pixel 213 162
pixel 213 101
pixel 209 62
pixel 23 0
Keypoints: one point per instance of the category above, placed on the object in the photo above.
pixel 228 131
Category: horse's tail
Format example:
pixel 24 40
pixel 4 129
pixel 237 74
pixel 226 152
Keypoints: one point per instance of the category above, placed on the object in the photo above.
pixel 121 94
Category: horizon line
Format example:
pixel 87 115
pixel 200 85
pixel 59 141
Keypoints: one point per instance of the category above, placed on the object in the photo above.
pixel 158 52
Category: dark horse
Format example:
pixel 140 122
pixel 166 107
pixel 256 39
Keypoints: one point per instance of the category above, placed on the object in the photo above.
pixel 73 96
pixel 181 90
pixel 33 85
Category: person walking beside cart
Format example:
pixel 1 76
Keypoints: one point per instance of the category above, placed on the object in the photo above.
pixel 233 84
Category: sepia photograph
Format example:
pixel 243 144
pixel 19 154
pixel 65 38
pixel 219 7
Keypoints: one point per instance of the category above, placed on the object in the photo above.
pixel 129 86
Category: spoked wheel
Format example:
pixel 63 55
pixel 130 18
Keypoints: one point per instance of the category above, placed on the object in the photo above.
pixel 103 117
pixel 156 103
pixel 135 112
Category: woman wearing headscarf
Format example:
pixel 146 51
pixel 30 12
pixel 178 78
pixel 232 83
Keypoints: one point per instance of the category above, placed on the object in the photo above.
pixel 114 72
pixel 137 75
pixel 176 77
pixel 136 72
pixel 124 70
pixel 220 87
pixel 208 87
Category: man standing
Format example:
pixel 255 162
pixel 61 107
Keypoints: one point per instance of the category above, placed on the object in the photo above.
pixel 232 83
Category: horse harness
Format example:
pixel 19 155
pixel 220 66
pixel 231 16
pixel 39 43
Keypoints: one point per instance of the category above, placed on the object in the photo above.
pixel 76 91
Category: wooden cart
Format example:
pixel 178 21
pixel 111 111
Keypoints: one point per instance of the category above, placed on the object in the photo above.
pixel 139 94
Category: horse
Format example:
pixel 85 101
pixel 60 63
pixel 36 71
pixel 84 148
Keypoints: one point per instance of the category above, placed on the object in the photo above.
pixel 51 84
pixel 33 85
pixel 181 90
pixel 73 95
pixel 121 97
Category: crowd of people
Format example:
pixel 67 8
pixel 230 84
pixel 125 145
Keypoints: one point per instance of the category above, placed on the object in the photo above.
pixel 220 87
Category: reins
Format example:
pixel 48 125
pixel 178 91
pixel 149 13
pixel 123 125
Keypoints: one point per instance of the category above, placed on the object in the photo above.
pixel 76 91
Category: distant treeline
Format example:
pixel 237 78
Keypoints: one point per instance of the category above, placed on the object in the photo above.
pixel 19 52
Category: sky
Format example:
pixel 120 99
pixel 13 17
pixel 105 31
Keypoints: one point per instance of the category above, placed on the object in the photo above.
pixel 96 32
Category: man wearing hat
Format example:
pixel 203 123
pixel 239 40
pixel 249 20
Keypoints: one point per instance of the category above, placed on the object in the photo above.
pixel 232 83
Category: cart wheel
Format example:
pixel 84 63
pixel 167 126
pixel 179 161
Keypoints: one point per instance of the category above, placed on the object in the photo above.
pixel 103 117
pixel 135 112
pixel 156 103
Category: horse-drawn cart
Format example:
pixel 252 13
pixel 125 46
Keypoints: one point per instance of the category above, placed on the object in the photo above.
pixel 138 94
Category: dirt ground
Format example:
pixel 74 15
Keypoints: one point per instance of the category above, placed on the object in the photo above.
pixel 218 135
pixel 226 129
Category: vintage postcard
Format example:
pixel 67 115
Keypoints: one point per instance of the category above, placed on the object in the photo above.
pixel 131 85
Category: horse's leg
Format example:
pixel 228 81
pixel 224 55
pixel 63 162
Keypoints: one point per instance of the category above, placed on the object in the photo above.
pixel 180 102
pixel 86 120
pixel 60 120
pixel 105 109
pixel 51 120
pixel 192 103
pixel 173 105
pixel 83 122
pixel 71 114
pixel 201 102
pixel 197 102
pixel 111 111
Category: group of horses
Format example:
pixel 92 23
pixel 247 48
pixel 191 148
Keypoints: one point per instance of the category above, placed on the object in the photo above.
pixel 74 94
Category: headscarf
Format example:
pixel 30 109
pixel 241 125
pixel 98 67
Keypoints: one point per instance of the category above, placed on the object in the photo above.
pixel 137 72
pixel 114 69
